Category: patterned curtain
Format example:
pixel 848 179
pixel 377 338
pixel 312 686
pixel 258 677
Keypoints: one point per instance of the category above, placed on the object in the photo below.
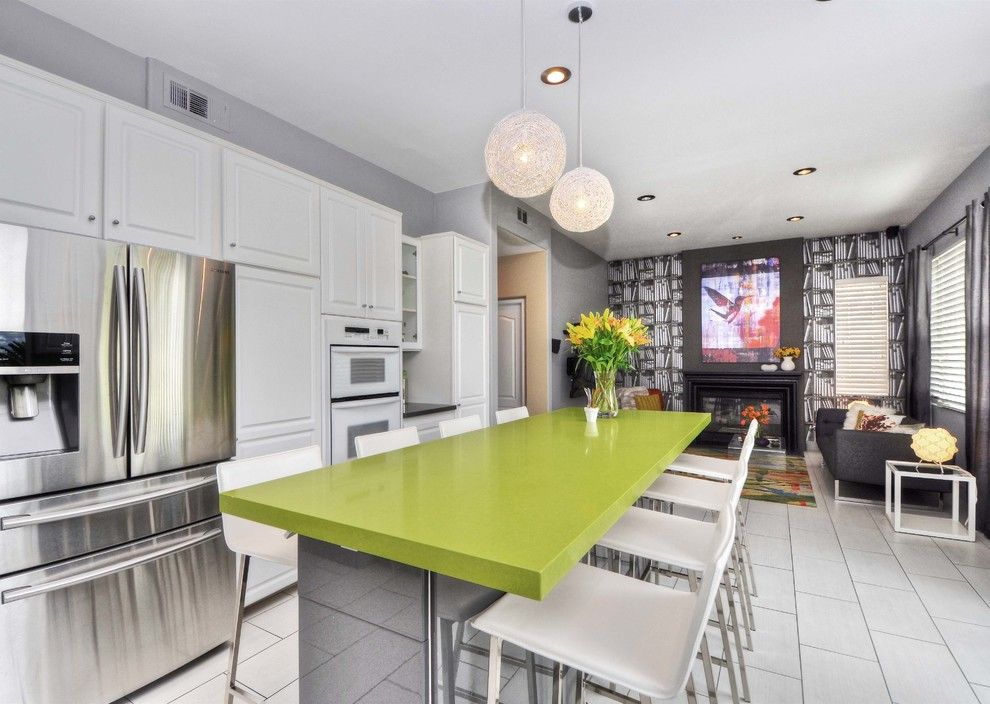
pixel 919 397
pixel 978 354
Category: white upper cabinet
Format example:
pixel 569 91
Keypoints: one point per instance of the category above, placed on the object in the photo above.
pixel 271 216
pixel 384 252
pixel 51 155
pixel 277 323
pixel 470 272
pixel 361 253
pixel 162 185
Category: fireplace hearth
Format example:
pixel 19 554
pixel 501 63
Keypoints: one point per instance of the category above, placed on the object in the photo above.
pixel 726 394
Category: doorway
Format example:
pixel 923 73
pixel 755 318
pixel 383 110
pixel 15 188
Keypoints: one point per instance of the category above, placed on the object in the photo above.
pixel 511 352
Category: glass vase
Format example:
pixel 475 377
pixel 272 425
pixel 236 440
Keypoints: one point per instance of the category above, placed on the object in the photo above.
pixel 604 395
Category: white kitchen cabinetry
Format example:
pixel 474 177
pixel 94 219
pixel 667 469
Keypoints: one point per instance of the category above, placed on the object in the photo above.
pixel 278 361
pixel 412 294
pixel 51 155
pixel 162 185
pixel 361 252
pixel 271 216
pixel 428 425
pixel 453 365
pixel 470 272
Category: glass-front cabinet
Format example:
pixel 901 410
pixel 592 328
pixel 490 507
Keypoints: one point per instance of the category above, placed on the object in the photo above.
pixel 412 294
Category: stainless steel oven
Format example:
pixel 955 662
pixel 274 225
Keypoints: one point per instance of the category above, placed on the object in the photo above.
pixel 364 380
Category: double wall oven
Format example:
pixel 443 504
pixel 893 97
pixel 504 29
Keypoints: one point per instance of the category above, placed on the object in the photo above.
pixel 364 381
pixel 116 403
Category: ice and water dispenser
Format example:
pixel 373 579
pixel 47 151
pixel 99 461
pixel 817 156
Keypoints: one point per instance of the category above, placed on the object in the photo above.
pixel 39 389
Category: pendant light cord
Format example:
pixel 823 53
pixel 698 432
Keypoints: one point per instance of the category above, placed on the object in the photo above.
pixel 522 34
pixel 580 74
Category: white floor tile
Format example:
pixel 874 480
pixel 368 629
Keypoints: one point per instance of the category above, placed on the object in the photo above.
pixel 775 588
pixel 979 577
pixel 965 553
pixel 211 692
pixel 764 688
pixel 282 620
pixel 921 673
pixel 831 678
pixel 982 693
pixel 851 516
pixel 775 643
pixel 832 624
pixel 287 695
pixel 769 524
pixel 813 519
pixel 823 577
pixel 896 611
pixel 767 507
pixel 272 668
pixel 968 644
pixel 813 543
pixel 881 570
pixel 770 552
pixel 925 560
pixel 948 598
pixel 866 539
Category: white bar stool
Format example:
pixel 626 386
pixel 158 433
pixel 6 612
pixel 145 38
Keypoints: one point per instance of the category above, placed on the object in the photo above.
pixel 377 443
pixel 625 631
pixel 510 414
pixel 458 426
pixel 251 539
pixel 716 468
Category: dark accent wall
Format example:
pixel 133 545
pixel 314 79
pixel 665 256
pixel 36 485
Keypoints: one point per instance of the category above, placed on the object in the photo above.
pixel 791 286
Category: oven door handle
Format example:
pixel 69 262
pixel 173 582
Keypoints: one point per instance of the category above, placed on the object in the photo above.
pixel 33 519
pixel 365 402
pixel 18 593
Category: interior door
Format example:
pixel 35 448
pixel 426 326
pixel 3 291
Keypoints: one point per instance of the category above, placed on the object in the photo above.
pixel 182 360
pixel 512 353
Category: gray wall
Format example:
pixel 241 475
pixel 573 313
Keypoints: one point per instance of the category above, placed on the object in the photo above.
pixel 467 211
pixel 578 283
pixel 38 39
pixel 791 257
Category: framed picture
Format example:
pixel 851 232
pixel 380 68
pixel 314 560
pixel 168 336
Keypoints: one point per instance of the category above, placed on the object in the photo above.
pixel 740 310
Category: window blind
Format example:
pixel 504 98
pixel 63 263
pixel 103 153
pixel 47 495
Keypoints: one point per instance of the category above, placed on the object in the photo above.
pixel 948 328
pixel 861 337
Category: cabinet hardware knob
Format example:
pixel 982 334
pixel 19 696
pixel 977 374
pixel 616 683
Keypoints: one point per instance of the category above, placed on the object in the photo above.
pixel 371 306
pixel 116 222
pixel 233 244
pixel 91 218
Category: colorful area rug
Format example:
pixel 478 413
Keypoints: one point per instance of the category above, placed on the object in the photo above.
pixel 781 479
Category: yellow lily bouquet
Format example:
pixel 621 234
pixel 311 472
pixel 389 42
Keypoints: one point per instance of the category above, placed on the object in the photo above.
pixel 606 343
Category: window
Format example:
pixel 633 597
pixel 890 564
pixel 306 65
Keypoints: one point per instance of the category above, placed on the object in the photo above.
pixel 861 337
pixel 948 328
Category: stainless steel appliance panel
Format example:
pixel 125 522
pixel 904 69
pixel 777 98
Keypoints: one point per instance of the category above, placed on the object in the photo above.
pixel 59 283
pixel 56 527
pixel 96 628
pixel 182 360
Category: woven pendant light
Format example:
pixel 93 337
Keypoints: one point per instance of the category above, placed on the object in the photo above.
pixel 526 151
pixel 583 199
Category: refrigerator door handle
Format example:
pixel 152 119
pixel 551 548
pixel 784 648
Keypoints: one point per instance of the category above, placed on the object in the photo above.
pixel 119 364
pixel 139 364
pixel 18 593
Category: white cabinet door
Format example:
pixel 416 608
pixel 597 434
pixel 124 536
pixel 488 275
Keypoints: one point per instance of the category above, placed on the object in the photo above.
pixel 51 155
pixel 470 272
pixel 344 252
pixel 470 354
pixel 271 217
pixel 475 409
pixel 383 237
pixel 278 361
pixel 162 185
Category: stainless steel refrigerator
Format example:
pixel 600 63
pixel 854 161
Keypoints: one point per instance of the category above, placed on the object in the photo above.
pixel 116 403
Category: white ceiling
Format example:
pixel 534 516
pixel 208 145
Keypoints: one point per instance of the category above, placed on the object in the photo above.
pixel 709 104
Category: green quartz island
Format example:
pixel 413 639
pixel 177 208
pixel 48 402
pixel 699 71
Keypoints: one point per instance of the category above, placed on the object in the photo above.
pixel 398 551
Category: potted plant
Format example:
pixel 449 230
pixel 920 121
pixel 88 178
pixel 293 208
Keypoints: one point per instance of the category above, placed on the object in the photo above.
pixel 606 343
pixel 761 415
pixel 787 355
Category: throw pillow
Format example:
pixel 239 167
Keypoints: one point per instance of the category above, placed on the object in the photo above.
pixel 876 422
pixel 627 394
pixel 852 415
pixel 649 402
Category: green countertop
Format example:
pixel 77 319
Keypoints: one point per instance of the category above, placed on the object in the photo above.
pixel 512 507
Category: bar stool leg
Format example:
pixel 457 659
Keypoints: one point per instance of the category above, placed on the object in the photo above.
pixel 706 661
pixel 558 684
pixel 688 689
pixel 494 669
pixel 534 696
pixel 746 557
pixel 579 687
pixel 736 555
pixel 741 589
pixel 448 660
pixel 726 649
pixel 242 573
pixel 734 616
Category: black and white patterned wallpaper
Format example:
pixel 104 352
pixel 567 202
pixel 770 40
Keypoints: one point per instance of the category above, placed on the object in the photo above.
pixel 651 288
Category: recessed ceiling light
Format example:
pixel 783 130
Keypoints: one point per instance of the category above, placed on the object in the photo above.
pixel 795 218
pixel 737 237
pixel 805 171
pixel 674 234
pixel 645 197
pixel 555 75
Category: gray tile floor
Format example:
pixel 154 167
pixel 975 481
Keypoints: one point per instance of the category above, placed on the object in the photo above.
pixel 848 612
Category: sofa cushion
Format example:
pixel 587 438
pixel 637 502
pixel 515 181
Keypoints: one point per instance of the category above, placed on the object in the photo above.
pixel 852 414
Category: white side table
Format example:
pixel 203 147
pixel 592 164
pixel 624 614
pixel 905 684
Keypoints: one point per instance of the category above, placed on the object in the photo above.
pixel 934 526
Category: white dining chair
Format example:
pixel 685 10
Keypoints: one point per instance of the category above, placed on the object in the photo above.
pixel 622 630
pixel 249 539
pixel 721 469
pixel 510 414
pixel 377 443
pixel 458 426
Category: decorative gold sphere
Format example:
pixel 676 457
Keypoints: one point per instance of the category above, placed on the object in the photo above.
pixel 525 154
pixel 935 445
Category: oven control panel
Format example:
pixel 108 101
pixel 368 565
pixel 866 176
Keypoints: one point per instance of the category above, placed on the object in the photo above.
pixel 358 331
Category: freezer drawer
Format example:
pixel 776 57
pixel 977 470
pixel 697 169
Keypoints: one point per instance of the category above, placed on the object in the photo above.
pixel 53 528
pixel 96 628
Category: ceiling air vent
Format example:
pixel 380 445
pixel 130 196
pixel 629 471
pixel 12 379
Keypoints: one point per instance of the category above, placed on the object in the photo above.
pixel 522 216
pixel 195 103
